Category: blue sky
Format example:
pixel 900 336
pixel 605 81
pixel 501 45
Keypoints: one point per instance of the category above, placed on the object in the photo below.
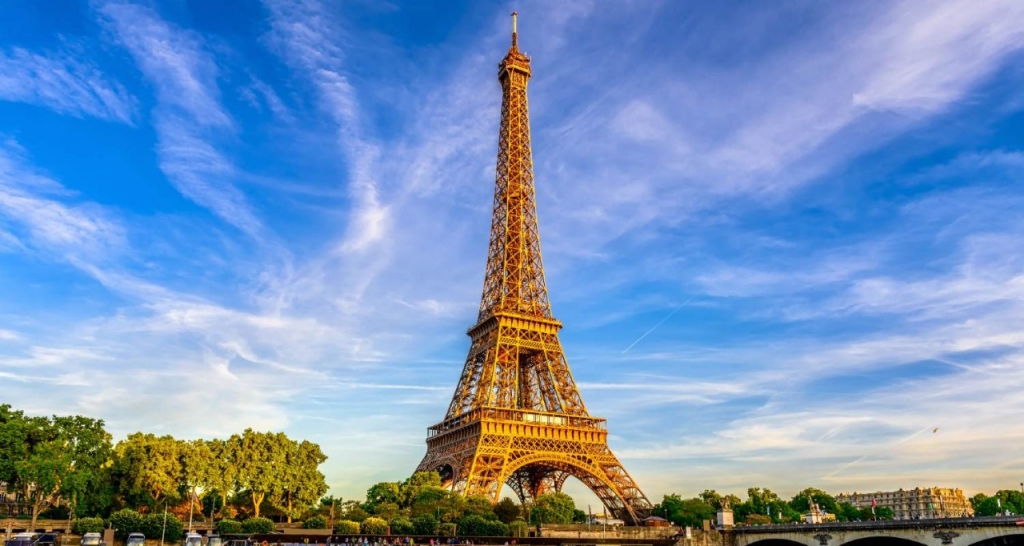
pixel 784 238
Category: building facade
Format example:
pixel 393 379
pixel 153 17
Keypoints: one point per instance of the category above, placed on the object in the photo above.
pixel 917 503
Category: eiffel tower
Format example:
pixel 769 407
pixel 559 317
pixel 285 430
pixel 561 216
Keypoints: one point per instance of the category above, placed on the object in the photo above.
pixel 516 417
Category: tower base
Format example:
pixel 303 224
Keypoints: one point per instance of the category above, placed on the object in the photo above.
pixel 534 453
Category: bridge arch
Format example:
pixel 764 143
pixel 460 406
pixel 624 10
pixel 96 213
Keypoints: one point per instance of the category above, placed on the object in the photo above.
pixel 776 542
pixel 1016 539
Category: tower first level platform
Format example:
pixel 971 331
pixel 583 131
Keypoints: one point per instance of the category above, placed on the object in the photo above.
pixel 534 453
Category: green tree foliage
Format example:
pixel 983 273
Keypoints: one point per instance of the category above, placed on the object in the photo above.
pixel 410 489
pixel 689 512
pixel 401 525
pixel 374 526
pixel 223 469
pixel 999 503
pixel 711 498
pixel 757 519
pixel 228 527
pixel 62 457
pixel 353 511
pixel 507 510
pixel 475 525
pixel 260 462
pixel 257 524
pixel 518 528
pixel 424 525
pixel 479 505
pixel 148 469
pixel 347 527
pixel 387 511
pixel 553 508
pixel 82 526
pixel 315 522
pixel 381 493
pixel 152 526
pixel 125 521
pixel 801 502
pixel 301 482
pixel 196 466
pixel 446 529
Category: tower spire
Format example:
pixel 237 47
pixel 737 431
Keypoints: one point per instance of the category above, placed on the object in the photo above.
pixel 515 35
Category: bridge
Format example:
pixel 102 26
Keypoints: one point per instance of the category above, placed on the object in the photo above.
pixel 984 531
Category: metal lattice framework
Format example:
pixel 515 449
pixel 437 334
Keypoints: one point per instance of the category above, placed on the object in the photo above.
pixel 516 417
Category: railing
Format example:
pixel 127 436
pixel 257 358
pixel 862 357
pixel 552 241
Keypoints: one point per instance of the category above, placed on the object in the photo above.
pixel 488 413
pixel 965 522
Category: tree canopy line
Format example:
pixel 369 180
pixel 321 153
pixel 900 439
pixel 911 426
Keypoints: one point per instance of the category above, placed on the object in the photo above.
pixel 68 468
pixel 763 506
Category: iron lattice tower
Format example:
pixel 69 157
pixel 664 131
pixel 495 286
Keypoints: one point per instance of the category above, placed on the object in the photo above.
pixel 517 417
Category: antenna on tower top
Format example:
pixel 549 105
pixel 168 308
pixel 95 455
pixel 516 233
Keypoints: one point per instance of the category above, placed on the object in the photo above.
pixel 515 38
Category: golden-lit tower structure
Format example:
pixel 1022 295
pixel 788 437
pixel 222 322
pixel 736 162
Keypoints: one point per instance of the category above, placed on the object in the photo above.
pixel 517 417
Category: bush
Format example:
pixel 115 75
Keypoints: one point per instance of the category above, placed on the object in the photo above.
pixel 56 512
pixel 346 527
pixel 125 521
pixel 446 529
pixel 261 524
pixel 518 528
pixel 401 525
pixel 153 527
pixel 229 527
pixel 424 525
pixel 315 522
pixel 475 525
pixel 82 526
pixel 374 526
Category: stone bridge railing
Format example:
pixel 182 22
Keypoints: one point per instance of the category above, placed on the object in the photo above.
pixel 927 532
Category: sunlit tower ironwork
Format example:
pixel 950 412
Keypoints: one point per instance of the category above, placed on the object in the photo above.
pixel 516 417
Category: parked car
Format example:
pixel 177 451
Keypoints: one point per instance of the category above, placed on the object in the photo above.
pixel 33 539
pixel 136 539
pixel 92 539
pixel 193 539
pixel 214 540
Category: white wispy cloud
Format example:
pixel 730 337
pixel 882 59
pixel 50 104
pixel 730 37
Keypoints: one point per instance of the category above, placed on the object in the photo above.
pixel 188 116
pixel 62 82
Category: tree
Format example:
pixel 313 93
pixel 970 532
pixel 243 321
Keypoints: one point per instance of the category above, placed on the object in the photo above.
pixel 507 510
pixel 315 522
pixel 847 512
pixel 125 521
pixel 711 498
pixel 374 526
pixel 148 469
pixel 156 525
pixel 689 512
pixel 260 463
pixel 63 458
pixel 801 502
pixel 479 505
pixel 553 508
pixel 380 493
pixel 401 525
pixel 425 524
pixel 196 467
pixel 228 527
pixel 409 489
pixel 302 483
pixel 223 469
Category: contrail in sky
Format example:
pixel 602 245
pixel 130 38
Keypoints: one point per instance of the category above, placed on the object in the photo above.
pixel 658 324
pixel 897 442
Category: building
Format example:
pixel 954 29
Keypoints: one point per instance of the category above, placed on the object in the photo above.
pixel 917 503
